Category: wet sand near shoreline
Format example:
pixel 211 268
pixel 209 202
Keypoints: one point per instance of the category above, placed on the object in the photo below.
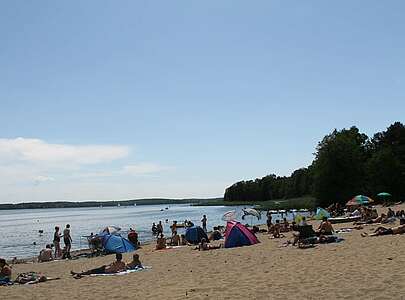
pixel 357 268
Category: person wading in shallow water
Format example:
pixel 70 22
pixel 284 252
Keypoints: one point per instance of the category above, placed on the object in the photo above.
pixel 204 223
pixel 67 239
pixel 56 242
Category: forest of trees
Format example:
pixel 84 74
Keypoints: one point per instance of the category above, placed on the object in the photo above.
pixel 347 163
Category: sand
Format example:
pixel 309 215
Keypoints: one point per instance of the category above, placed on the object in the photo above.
pixel 357 268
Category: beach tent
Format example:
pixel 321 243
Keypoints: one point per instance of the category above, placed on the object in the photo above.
pixel 320 213
pixel 238 235
pixel 195 234
pixel 117 244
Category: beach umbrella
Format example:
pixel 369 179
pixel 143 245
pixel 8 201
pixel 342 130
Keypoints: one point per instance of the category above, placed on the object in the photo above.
pixel 359 200
pixel 229 216
pixel 251 212
pixel 384 194
pixel 110 229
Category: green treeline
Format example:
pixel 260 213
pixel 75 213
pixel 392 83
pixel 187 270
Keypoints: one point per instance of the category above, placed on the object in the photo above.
pixel 347 163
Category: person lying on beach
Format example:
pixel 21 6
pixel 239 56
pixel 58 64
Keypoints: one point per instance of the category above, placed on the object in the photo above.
pixel 325 227
pixel 380 219
pixel 117 266
pixel 205 246
pixel 5 270
pixel 32 278
pixel 161 242
pixel 386 231
pixel 45 254
pixel 135 263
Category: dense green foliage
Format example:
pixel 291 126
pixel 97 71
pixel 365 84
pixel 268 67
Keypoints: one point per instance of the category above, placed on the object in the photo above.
pixel 347 163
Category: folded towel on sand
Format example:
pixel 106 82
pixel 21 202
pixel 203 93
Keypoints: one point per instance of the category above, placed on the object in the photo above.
pixel 124 272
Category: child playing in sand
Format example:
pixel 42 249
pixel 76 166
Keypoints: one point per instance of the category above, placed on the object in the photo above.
pixel 135 263
pixel 161 242
pixel 5 271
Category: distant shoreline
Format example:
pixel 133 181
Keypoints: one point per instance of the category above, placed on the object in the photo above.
pixel 112 203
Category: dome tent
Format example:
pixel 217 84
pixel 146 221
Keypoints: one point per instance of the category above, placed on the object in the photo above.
pixel 117 244
pixel 238 235
pixel 195 234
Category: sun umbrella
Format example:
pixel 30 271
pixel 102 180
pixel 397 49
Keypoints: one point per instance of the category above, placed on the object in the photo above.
pixel 229 216
pixel 251 212
pixel 110 229
pixel 359 200
pixel 384 194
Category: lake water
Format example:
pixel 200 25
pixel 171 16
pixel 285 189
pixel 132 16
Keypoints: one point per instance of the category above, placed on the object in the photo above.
pixel 19 229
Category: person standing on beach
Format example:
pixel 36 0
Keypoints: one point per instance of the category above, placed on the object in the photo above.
pixel 204 223
pixel 268 222
pixel 67 239
pixel 56 242
pixel 159 228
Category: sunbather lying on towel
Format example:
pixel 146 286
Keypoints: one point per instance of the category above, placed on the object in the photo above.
pixel 386 231
pixel 205 246
pixel 115 267
pixel 32 278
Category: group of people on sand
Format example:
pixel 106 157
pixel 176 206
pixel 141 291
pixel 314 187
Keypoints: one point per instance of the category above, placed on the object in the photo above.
pixel 278 227
pixel 115 267
pixel 47 254
pixel 175 238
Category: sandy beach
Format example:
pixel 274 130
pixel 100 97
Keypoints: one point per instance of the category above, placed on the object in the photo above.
pixel 357 268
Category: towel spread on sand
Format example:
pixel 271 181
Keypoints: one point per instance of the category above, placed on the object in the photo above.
pixel 124 272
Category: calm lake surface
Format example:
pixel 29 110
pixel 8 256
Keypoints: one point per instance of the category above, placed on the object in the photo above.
pixel 19 229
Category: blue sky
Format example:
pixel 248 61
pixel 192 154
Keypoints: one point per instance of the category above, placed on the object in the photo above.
pixel 132 99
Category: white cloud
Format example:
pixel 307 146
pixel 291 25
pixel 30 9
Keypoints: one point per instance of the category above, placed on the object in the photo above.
pixel 143 169
pixel 39 151
pixel 36 170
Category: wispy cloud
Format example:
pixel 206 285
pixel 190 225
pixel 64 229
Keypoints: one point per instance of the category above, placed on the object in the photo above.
pixel 39 151
pixel 144 169
pixel 51 168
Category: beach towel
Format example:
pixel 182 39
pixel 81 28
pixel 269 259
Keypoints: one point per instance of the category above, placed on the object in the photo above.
pixel 144 268
pixel 5 281
pixel 344 230
pixel 169 248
